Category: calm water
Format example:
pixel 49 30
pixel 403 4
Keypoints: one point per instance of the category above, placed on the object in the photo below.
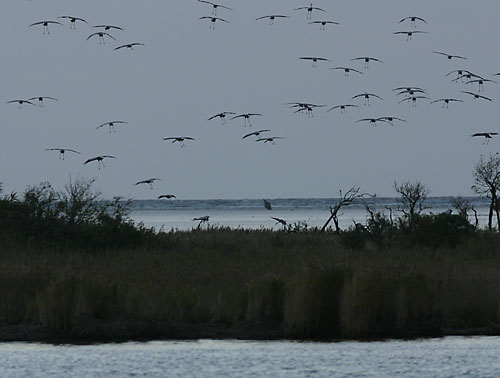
pixel 178 214
pixel 447 357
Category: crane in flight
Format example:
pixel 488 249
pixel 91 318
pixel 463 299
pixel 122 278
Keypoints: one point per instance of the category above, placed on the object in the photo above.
pixel 409 34
pixel 45 24
pixel 413 100
pixel 40 99
pixel 271 140
pixel 73 21
pixel 246 117
pixel 480 82
pixel 267 205
pixel 449 56
pixel 367 60
pixel 101 36
pixel 108 27
pixel 99 160
pixel 477 96
pixel 315 59
pixel 167 196
pixel 283 222
pixel 310 10
pixel 373 121
pixel 149 181
pixel 203 219
pixel 214 6
pixel 446 101
pixel 213 20
pixel 179 139
pixel 367 97
pixel 222 116
pixel 62 151
pixel 342 107
pixel 111 125
pixel 130 46
pixel 271 18
pixel 256 133
pixel 20 102
pixel 323 23
pixel 487 136
pixel 347 70
pixel 413 20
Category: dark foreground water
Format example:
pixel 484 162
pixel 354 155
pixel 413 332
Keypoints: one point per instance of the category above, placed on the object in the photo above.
pixel 445 357
pixel 251 213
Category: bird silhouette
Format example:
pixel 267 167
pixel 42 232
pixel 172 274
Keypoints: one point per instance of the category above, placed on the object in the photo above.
pixel 449 56
pixel 213 20
pixel 342 107
pixel 409 34
pixel 101 36
pixel 179 139
pixel 45 24
pixel 246 117
pixel 315 59
pixel 487 136
pixel 73 21
pixel 272 17
pixel 414 99
pixel 267 205
pixel 108 27
pixel 373 121
pixel 129 46
pixel 111 125
pixel 203 219
pixel 149 181
pixel 41 99
pixel 391 119
pixel 367 97
pixel 446 101
pixel 323 23
pixel 222 117
pixel 269 139
pixel 99 160
pixel 310 10
pixel 62 151
pixel 477 96
pixel 214 6
pixel 480 83
pixel 280 221
pixel 347 70
pixel 167 196
pixel 256 133
pixel 20 102
pixel 413 20
pixel 367 60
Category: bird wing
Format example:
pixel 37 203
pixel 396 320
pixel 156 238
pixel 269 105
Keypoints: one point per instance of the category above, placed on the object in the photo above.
pixel 70 150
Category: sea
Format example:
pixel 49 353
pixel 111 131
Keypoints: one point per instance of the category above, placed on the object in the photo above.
pixel 440 358
pixel 168 215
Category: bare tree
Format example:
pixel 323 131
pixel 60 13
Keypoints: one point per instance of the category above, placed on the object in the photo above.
pixel 413 196
pixel 487 183
pixel 463 206
pixel 344 200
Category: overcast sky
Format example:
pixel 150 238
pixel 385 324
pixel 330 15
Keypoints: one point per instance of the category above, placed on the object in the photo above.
pixel 186 73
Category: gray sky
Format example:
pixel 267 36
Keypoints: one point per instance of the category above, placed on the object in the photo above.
pixel 187 73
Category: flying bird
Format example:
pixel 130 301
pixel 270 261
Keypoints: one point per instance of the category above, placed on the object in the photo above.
pixel 487 136
pixel 203 219
pixel 111 125
pixel 272 17
pixel 256 133
pixel 367 97
pixel 413 100
pixel 477 96
pixel 101 36
pixel 129 46
pixel 342 107
pixel 45 25
pixel 148 181
pixel 373 121
pixel 391 120
pixel 280 221
pixel 246 117
pixel 73 21
pixel 446 101
pixel 267 205
pixel 480 83
pixel 214 6
pixel 62 151
pixel 449 56
pixel 179 139
pixel 413 20
pixel 367 60
pixel 409 34
pixel 269 139
pixel 315 59
pixel 347 70
pixel 213 20
pixel 310 9
pixel 20 102
pixel 108 27
pixel 41 99
pixel 167 196
pixel 99 160
pixel 323 23
pixel 222 116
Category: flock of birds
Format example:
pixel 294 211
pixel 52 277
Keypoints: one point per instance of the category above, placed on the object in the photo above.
pixel 405 94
